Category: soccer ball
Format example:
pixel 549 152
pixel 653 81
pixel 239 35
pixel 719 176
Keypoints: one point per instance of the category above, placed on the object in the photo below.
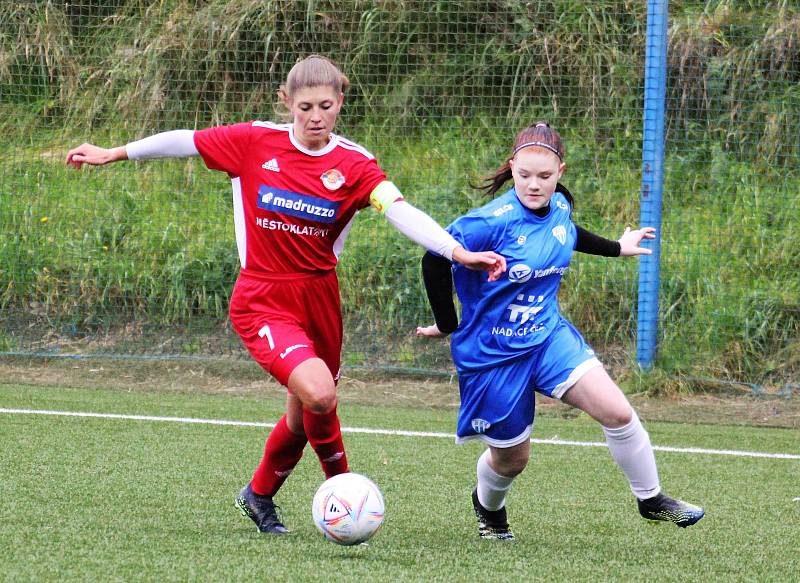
pixel 348 509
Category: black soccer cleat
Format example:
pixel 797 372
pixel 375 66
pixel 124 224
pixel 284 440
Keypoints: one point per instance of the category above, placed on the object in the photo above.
pixel 261 510
pixel 492 524
pixel 662 507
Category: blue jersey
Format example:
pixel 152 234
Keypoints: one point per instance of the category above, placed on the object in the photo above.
pixel 507 319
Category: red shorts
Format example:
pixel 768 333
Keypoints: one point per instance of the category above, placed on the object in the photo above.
pixel 285 320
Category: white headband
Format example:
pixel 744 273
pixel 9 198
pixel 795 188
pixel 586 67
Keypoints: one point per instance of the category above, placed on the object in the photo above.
pixel 539 144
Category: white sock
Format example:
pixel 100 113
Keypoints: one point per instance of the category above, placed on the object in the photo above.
pixel 492 487
pixel 631 449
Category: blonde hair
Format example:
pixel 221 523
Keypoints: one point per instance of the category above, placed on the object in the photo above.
pixel 313 71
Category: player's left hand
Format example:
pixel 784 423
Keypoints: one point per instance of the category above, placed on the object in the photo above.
pixel 488 261
pixel 629 242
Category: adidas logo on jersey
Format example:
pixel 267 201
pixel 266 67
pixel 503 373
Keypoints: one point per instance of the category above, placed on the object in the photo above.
pixel 271 165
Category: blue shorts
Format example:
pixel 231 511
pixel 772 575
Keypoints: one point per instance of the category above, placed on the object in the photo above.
pixel 498 404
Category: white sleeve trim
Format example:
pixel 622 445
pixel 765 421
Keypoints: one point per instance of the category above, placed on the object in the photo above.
pixel 422 229
pixel 172 144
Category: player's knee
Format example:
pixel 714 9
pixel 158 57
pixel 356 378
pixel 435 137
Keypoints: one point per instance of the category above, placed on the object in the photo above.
pixel 513 469
pixel 516 467
pixel 619 417
pixel 511 465
pixel 322 401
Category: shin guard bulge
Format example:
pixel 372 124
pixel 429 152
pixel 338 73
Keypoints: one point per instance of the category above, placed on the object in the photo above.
pixel 325 436
pixel 282 451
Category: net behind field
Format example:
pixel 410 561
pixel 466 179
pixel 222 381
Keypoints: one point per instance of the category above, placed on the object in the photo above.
pixel 139 259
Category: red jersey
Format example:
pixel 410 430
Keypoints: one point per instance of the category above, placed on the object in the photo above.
pixel 292 206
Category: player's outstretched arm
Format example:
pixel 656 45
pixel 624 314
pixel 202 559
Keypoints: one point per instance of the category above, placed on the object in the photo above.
pixel 630 240
pixel 626 246
pixel 423 230
pixel 171 144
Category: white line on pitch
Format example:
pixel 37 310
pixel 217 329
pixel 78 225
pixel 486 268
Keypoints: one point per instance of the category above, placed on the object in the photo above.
pixel 403 433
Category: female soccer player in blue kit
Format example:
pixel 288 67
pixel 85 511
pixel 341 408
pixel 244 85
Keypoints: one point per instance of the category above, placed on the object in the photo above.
pixel 513 341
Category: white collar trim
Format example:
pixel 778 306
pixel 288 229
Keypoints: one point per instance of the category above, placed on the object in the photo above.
pixel 334 139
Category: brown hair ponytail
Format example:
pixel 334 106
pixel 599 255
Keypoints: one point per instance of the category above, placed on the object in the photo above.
pixel 538 135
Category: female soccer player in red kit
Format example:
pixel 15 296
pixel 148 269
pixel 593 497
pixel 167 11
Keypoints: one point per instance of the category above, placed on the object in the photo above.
pixel 296 190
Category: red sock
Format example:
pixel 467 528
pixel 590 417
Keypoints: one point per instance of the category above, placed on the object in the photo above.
pixel 281 453
pixel 325 436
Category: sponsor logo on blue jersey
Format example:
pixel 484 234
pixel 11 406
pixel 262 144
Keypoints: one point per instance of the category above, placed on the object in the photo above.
pixel 519 273
pixel 296 204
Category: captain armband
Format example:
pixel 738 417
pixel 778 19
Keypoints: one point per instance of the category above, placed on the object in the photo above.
pixel 385 195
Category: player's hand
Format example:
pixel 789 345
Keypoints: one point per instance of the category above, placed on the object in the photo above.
pixel 94 155
pixel 430 331
pixel 489 261
pixel 629 242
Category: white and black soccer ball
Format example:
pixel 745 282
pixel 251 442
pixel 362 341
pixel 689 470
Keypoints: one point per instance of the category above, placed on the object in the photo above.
pixel 348 509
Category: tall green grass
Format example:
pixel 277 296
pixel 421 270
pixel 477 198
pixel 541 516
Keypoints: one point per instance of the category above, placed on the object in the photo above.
pixel 733 66
pixel 143 64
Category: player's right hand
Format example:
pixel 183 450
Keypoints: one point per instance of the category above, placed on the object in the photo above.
pixel 430 331
pixel 94 155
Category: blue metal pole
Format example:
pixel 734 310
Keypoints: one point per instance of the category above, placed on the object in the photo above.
pixel 655 85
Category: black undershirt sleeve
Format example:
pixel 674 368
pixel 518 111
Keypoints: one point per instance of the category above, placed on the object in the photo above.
pixel 595 244
pixel 438 277
pixel 587 242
